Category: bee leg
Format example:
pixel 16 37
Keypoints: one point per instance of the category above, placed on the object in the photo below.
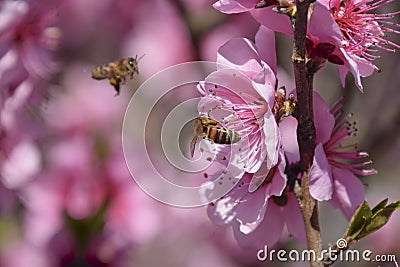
pixel 116 83
pixel 193 145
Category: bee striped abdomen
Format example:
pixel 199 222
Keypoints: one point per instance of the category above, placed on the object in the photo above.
pixel 206 128
pixel 221 135
pixel 233 137
pixel 101 72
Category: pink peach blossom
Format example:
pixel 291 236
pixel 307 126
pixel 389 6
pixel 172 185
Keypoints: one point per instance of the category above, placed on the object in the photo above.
pixel 258 218
pixel 252 207
pixel 346 162
pixel 345 32
pixel 240 94
pixel 333 173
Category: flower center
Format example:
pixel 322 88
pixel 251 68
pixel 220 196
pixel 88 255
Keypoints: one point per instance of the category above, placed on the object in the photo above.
pixel 245 118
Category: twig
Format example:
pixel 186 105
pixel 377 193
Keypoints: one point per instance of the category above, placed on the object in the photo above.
pixel 305 129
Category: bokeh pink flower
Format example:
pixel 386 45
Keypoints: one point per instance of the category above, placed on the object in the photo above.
pixel 29 38
pixel 74 169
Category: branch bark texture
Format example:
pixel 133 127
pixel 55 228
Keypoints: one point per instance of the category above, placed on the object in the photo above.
pixel 306 129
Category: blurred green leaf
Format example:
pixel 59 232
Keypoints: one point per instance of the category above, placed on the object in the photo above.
pixel 380 218
pixel 359 220
pixel 366 221
pixel 101 147
pixel 380 206
pixel 84 230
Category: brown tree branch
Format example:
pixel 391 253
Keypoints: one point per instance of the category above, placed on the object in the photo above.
pixel 306 129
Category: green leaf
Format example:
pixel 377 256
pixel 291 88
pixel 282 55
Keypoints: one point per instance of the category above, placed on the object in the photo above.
pixel 380 206
pixel 366 221
pixel 395 205
pixel 360 219
pixel 380 218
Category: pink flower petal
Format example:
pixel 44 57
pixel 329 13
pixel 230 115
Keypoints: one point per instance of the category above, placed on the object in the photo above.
pixel 37 60
pixel 365 67
pixel 287 80
pixel 264 83
pixel 294 218
pixel 322 26
pixel 207 103
pixel 326 3
pixel 44 203
pixel 265 43
pixel 350 65
pixel 12 13
pixel 231 84
pixel 232 6
pixel 22 164
pixel 227 167
pixel 9 115
pixel 278 183
pixel 239 205
pixel 288 130
pixel 269 149
pixel 11 69
pixel 267 233
pixel 320 179
pixel 251 210
pixel 348 191
pixel 22 254
pixel 247 61
pixel 272 139
pixel 343 70
pixel 323 119
pixel 272 20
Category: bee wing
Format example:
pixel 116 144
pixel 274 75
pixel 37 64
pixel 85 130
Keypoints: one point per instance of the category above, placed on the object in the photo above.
pixel 258 178
pixel 193 145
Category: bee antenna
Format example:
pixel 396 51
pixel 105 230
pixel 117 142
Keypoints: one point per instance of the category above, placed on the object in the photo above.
pixel 137 59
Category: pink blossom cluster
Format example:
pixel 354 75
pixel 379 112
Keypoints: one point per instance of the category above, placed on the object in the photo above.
pixel 242 96
pixel 345 32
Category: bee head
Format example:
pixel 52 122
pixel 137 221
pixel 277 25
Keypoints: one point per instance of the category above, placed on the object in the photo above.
pixel 132 65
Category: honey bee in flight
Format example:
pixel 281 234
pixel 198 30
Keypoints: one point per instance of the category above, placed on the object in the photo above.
pixel 207 128
pixel 116 72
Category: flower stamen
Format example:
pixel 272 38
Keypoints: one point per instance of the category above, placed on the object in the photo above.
pixel 340 155
pixel 362 30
